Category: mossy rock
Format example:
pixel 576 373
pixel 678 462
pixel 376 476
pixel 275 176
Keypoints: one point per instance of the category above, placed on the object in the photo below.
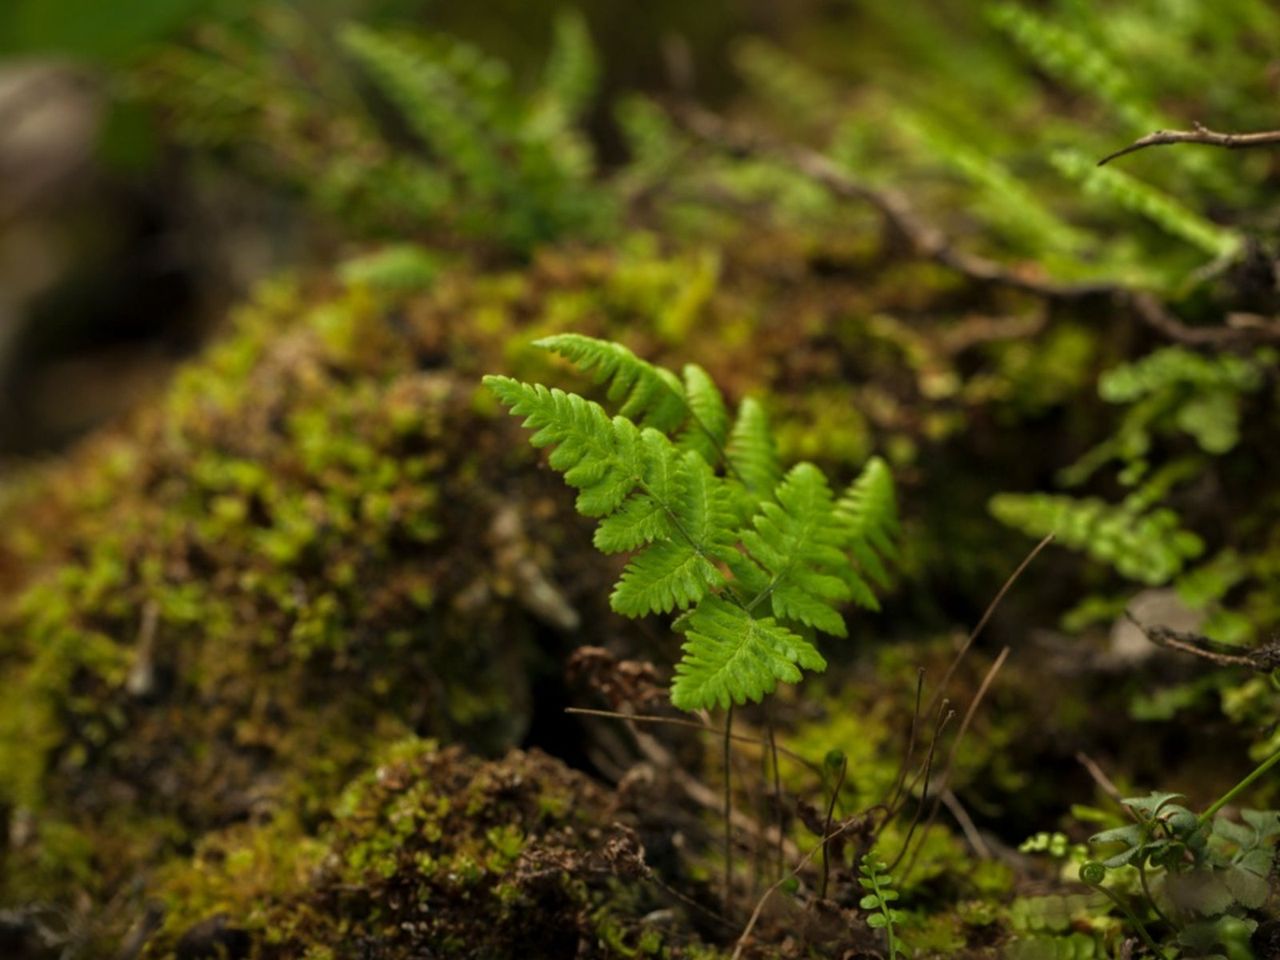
pixel 431 853
pixel 324 536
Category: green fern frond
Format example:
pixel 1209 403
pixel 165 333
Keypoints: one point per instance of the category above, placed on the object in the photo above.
pixel 644 517
pixel 652 140
pixel 600 457
pixel 879 897
pixel 401 266
pixel 1162 209
pixel 731 657
pixel 797 541
pixel 572 73
pixel 1069 57
pixel 447 115
pixel 651 395
pixel 1172 367
pixel 786 82
pixel 1016 207
pixel 680 570
pixel 1149 546
pixel 784 544
pixel 708 429
pixel 868 511
pixel 751 449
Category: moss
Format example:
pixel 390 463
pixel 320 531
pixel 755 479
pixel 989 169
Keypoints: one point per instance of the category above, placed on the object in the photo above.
pixel 322 536
pixel 421 847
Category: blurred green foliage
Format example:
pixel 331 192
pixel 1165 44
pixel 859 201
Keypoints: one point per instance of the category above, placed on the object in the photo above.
pixel 90 30
pixel 488 174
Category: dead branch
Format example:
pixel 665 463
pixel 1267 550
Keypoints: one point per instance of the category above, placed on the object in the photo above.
pixel 1239 329
pixel 1199 134
pixel 1263 659
pixel 930 243
pixel 926 241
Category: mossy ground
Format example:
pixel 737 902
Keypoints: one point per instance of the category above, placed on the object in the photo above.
pixel 322 538
pixel 433 852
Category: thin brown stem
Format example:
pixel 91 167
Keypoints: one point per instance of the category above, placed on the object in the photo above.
pixel 728 812
pixel 970 829
pixel 986 616
pixel 901 780
pixel 924 791
pixel 777 789
pixel 1099 775
pixel 945 782
pixel 812 852
pixel 694 725
pixel 826 829
pixel 1198 134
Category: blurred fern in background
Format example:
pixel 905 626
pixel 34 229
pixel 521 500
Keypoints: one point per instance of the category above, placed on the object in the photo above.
pixel 396 133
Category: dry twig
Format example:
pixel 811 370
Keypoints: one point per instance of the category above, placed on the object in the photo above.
pixel 1263 659
pixel 926 241
pixel 930 243
pixel 1199 134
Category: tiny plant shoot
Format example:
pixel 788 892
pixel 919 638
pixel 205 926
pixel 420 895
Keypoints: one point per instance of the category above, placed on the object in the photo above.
pixel 755 560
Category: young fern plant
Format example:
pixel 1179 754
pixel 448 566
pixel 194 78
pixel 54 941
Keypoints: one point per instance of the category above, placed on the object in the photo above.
pixel 878 899
pixel 755 561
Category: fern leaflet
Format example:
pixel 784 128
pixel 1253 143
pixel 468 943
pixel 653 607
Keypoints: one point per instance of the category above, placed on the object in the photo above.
pixel 599 456
pixel 868 511
pixel 680 569
pixel 648 394
pixel 730 657
pixel 797 540
pixel 751 450
pixel 708 429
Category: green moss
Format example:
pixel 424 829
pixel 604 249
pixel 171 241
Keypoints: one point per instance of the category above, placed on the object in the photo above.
pixel 322 536
pixel 421 847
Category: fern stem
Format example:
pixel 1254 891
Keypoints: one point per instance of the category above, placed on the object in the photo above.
pixel 1235 791
pixel 1146 888
pixel 945 781
pixel 1138 925
pixel 777 793
pixel 728 810
pixel 826 829
pixel 924 790
pixel 891 800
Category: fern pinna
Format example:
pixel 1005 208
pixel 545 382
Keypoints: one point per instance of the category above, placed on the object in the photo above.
pixel 755 560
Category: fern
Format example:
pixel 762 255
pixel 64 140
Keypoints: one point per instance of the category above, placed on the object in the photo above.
pixel 1147 545
pixel 599 456
pixel 1077 61
pixel 796 541
pixel 869 511
pixel 448 109
pixel 1173 367
pixel 731 656
pixel 645 393
pixel 403 266
pixel 653 396
pixel 1119 188
pixel 798 93
pixel 709 430
pixel 879 897
pixel 486 158
pixel 752 451
pixel 572 73
pixel 679 568
pixel 756 560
